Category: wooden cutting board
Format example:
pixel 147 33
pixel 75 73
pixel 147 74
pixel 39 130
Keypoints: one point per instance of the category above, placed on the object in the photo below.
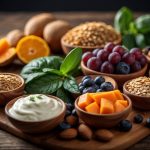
pixel 121 140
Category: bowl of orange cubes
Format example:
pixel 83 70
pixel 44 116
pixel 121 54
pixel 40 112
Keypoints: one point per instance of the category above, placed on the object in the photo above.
pixel 103 109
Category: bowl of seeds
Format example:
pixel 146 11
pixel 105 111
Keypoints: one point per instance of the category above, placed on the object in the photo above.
pixel 89 36
pixel 11 86
pixel 138 90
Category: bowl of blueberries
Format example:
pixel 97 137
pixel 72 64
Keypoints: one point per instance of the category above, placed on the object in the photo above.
pixel 95 83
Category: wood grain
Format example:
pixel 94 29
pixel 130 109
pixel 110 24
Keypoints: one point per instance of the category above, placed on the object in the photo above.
pixel 10 21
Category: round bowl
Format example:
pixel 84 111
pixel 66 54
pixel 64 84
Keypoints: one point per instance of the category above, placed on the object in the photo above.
pixel 103 120
pixel 120 79
pixel 6 96
pixel 140 102
pixel 67 47
pixel 36 126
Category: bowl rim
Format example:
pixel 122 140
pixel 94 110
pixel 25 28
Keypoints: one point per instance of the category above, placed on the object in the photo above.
pixel 18 76
pixel 15 99
pixel 90 47
pixel 106 115
pixel 92 75
pixel 124 89
pixel 113 75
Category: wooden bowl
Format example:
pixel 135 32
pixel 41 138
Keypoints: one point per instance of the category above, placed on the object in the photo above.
pixel 6 96
pixel 67 47
pixel 36 126
pixel 140 102
pixel 120 79
pixel 103 120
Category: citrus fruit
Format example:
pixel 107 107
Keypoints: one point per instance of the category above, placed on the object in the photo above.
pixel 31 47
pixel 4 45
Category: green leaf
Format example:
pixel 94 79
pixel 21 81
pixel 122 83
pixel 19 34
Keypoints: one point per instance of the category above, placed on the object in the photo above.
pixel 46 84
pixel 71 85
pixel 53 71
pixel 122 20
pixel 132 28
pixel 71 61
pixel 140 40
pixel 64 95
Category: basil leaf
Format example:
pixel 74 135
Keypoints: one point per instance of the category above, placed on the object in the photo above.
pixel 53 71
pixel 46 84
pixel 140 40
pixel 64 95
pixel 71 61
pixel 71 85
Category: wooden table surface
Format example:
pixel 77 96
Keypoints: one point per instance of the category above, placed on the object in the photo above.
pixel 10 21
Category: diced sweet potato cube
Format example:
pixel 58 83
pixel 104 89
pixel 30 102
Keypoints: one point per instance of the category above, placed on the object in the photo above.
pixel 123 102
pixel 92 108
pixel 107 95
pixel 84 100
pixel 106 106
pixel 119 107
pixel 118 95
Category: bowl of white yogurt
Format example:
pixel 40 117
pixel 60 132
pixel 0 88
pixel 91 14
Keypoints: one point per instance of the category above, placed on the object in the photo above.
pixel 35 113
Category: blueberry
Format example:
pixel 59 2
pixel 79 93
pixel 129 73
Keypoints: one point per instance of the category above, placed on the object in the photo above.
pixel 99 90
pixel 64 126
pixel 125 125
pixel 88 82
pixel 68 112
pixel 69 106
pixel 107 86
pixel 96 87
pixel 80 84
pixel 122 68
pixel 99 80
pixel 81 88
pixel 148 122
pixel 74 113
pixel 138 118
pixel 86 77
pixel 89 90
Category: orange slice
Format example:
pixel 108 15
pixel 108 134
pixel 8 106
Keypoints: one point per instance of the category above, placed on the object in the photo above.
pixel 4 45
pixel 31 47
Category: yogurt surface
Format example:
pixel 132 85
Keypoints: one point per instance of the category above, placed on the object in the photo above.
pixel 36 107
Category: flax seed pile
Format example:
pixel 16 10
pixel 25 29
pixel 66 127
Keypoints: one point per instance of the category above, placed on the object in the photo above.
pixel 9 82
pixel 92 34
pixel 139 86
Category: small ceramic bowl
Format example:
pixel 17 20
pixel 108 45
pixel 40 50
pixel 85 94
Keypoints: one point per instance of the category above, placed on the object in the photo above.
pixel 6 96
pixel 120 79
pixel 140 102
pixel 103 120
pixel 67 48
pixel 36 126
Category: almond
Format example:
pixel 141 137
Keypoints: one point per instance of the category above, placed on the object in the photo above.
pixel 68 134
pixel 104 135
pixel 85 132
pixel 72 120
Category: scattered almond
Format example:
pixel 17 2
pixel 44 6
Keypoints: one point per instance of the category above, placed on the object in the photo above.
pixel 68 134
pixel 72 120
pixel 104 135
pixel 85 132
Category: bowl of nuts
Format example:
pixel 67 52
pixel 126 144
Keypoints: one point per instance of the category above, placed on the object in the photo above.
pixel 11 86
pixel 138 90
pixel 89 36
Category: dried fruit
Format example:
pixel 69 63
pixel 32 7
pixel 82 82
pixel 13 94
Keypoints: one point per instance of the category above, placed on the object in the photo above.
pixel 68 134
pixel 31 47
pixel 72 120
pixel 85 132
pixel 104 135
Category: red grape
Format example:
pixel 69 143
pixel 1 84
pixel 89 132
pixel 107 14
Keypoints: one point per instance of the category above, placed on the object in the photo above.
pixel 119 49
pixel 107 67
pixel 114 58
pixel 128 58
pixel 94 63
pixel 96 51
pixel 143 60
pixel 86 56
pixel 103 55
pixel 109 47
pixel 137 53
pixel 136 66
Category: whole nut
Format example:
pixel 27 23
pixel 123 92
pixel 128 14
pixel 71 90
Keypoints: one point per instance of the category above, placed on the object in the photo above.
pixel 85 132
pixel 68 134
pixel 72 120
pixel 104 135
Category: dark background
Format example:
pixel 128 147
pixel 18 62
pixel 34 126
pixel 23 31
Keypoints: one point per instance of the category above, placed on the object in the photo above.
pixel 73 5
